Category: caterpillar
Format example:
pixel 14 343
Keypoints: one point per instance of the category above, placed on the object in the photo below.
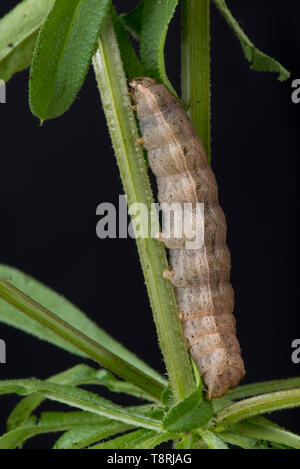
pixel 201 277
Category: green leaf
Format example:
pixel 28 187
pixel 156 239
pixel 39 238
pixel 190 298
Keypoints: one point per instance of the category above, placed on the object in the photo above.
pixel 187 441
pixel 241 441
pixel 156 18
pixel 18 35
pixel 95 351
pixel 85 435
pixel 254 389
pixel 174 422
pixel 76 376
pixel 258 60
pixel 212 440
pixel 79 398
pixel 255 406
pixel 62 55
pixel 65 310
pixel 132 66
pixel 129 441
pixel 57 422
pixel 133 20
pixel 263 429
pixel 71 419
pixel 153 441
pixel 72 377
pixel 192 412
pixel 29 404
pixel 17 437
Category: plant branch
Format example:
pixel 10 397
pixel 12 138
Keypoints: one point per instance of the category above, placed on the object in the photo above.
pixel 91 348
pixel 123 130
pixel 196 66
pixel 255 406
pixel 254 389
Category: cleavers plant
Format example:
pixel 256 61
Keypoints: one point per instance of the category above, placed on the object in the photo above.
pixel 58 39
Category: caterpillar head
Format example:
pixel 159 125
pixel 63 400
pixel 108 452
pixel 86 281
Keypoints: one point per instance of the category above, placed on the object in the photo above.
pixel 149 95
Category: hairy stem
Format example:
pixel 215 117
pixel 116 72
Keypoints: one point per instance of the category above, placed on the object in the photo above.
pixel 248 390
pixel 123 130
pixel 91 348
pixel 196 66
pixel 255 406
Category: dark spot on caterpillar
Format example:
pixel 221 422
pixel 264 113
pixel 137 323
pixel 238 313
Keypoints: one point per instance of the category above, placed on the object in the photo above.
pixel 200 276
pixel 184 150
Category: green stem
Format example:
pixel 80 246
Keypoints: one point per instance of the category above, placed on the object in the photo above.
pixel 79 398
pixel 255 406
pixel 123 130
pixel 91 348
pixel 261 429
pixel 196 66
pixel 254 389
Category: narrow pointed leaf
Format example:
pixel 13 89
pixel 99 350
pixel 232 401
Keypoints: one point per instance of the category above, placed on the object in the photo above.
pixel 76 376
pixel 22 411
pixel 62 55
pixel 65 310
pixel 255 406
pixel 212 440
pixel 18 35
pixel 133 20
pixel 152 441
pixel 190 413
pixel 57 423
pixel 93 350
pixel 188 421
pixel 129 441
pixel 17 437
pixel 263 429
pixel 85 435
pixel 78 398
pixel 254 389
pixel 132 66
pixel 156 18
pixel 242 441
pixel 187 442
pixel 258 60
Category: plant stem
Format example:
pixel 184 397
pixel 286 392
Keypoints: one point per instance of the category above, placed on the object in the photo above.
pixel 91 348
pixel 248 390
pixel 80 398
pixel 266 431
pixel 196 66
pixel 255 406
pixel 123 130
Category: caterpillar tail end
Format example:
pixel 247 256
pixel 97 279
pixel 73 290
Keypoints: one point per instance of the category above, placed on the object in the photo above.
pixel 219 384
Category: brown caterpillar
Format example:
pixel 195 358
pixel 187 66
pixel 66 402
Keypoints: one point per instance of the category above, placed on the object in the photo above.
pixel 201 276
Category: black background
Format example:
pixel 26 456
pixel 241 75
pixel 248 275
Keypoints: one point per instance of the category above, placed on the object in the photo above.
pixel 53 178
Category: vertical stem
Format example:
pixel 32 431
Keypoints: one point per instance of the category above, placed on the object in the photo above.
pixel 123 130
pixel 196 66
